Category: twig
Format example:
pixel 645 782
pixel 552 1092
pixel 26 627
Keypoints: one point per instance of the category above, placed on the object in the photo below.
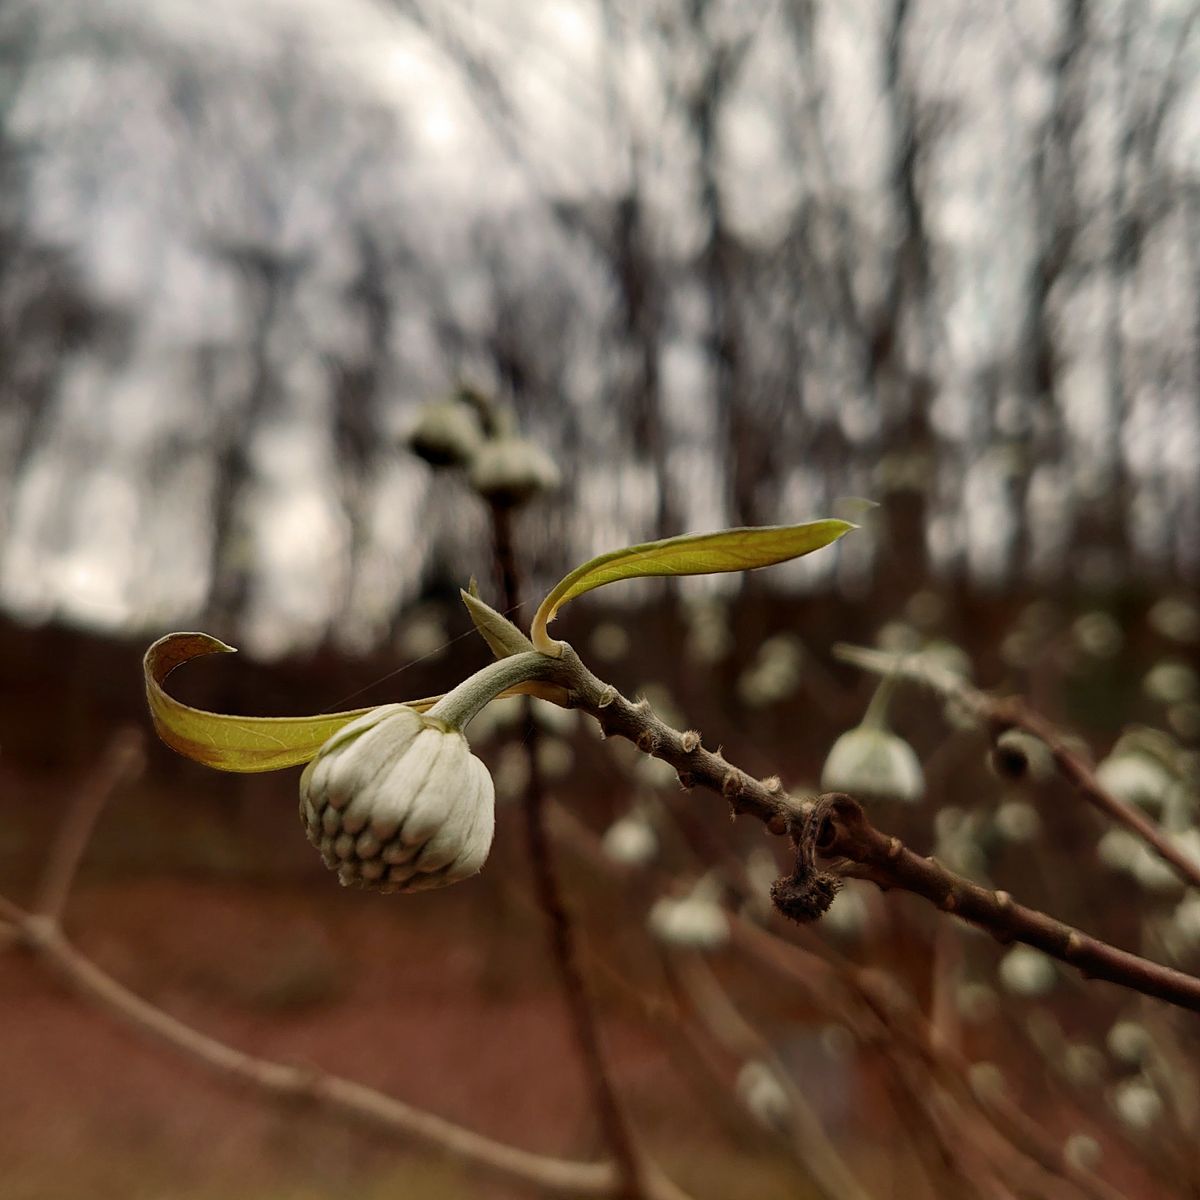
pixel 341 1097
pixel 904 1025
pixel 123 761
pixel 885 860
pixel 564 950
pixel 840 828
pixel 811 1143
pixel 1013 713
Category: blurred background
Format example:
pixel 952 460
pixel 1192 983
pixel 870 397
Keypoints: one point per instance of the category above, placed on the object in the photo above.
pixel 727 263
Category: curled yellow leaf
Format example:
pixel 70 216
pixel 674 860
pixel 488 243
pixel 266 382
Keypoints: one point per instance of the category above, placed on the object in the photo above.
pixel 743 549
pixel 228 743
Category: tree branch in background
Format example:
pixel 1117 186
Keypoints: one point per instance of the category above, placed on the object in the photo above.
pixel 613 1121
pixel 123 761
pixel 835 826
pixel 1011 712
pixel 39 931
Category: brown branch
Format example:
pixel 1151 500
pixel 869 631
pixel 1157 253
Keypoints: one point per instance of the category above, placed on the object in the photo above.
pixel 1001 714
pixel 887 862
pixel 836 826
pixel 610 1113
pixel 338 1096
pixel 123 761
pixel 810 1142
pixel 904 1024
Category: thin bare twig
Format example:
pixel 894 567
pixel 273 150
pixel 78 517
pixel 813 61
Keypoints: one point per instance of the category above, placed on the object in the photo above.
pixel 341 1097
pixel 811 1143
pixel 123 761
pixel 1001 714
pixel 844 831
pixel 610 1113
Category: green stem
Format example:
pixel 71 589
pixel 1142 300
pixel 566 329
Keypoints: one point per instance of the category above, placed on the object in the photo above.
pixel 457 707
pixel 876 715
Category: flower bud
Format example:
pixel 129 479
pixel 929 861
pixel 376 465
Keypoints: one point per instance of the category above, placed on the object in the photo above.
pixel 631 841
pixel 396 802
pixel 510 470
pixel 1025 971
pixel 1140 770
pixel 696 921
pixel 1082 1152
pixel 873 762
pixel 1137 1104
pixel 446 434
pixel 761 1091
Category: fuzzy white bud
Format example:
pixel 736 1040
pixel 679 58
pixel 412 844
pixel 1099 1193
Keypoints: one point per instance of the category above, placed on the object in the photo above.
pixel 873 762
pixel 397 802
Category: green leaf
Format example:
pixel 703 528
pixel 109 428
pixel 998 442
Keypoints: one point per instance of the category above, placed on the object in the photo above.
pixel 497 630
pixel 230 743
pixel 691 554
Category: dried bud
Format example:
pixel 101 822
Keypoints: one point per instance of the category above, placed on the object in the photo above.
pixel 509 471
pixel 446 434
pixel 396 802
pixel 873 762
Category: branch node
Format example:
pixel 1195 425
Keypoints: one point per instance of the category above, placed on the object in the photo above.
pixel 894 848
pixel 807 893
pixel 773 784
pixel 690 741
pixel 607 695
pixel 647 741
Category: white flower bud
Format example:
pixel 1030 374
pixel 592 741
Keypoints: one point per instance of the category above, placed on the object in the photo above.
pixel 1140 770
pixel 1176 618
pixel 631 841
pixel 446 434
pixel 1097 634
pixel 986 1080
pixel 1170 682
pixel 759 1089
pixel 873 762
pixel 1082 1152
pixel 397 802
pixel 1084 1065
pixel 1129 1042
pixel 696 921
pixel 510 470
pixel 1025 971
pixel 1017 821
pixel 1137 1104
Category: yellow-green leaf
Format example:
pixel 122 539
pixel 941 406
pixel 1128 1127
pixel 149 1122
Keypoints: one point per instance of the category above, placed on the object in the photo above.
pixel 691 554
pixel 230 743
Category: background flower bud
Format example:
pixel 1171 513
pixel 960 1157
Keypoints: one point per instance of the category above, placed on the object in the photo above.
pixel 446 434
pixel 873 762
pixel 511 470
